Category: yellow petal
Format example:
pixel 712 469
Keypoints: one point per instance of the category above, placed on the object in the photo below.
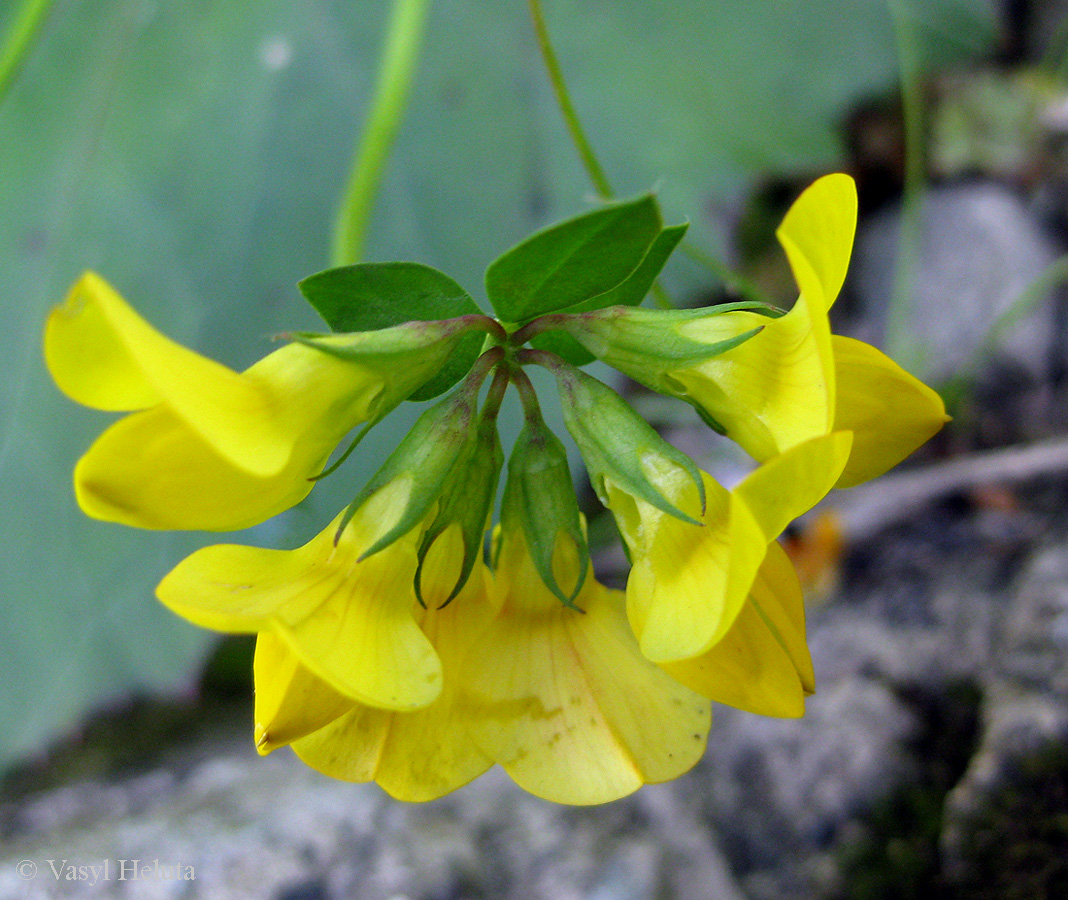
pixel 290 701
pixel 777 389
pixel 151 470
pixel 792 483
pixel 103 354
pixel 565 701
pixel 889 412
pixel 772 391
pixel 762 663
pixel 817 234
pixel 349 622
pixel 89 357
pixel 688 584
pixel 427 753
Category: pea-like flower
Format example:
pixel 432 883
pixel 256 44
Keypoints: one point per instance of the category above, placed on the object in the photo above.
pixel 348 620
pixel 209 448
pixel 762 663
pixel 414 755
pixel 789 379
pixel 689 583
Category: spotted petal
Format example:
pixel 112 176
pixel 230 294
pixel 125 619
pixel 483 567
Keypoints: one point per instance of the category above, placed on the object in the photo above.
pixel 565 701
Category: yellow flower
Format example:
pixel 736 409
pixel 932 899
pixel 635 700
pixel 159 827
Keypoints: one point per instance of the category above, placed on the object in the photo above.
pixel 416 755
pixel 689 584
pixel 793 380
pixel 762 663
pixel 564 700
pixel 210 448
pixel 349 622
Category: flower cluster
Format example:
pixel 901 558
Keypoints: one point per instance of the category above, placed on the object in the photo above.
pixel 392 647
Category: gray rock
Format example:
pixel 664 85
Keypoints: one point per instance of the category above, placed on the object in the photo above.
pixel 979 250
pixel 1025 696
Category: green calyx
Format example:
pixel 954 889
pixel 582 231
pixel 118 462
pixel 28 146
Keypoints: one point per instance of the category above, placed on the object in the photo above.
pixel 571 291
pixel 539 500
pixel 466 499
pixel 646 343
pixel 616 443
pixel 440 438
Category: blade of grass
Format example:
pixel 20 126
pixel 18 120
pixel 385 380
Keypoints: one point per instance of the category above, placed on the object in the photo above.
pixel 395 76
pixel 19 39
pixel 900 337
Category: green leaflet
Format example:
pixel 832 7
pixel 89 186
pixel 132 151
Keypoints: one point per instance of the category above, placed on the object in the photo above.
pixel 372 296
pixel 628 293
pixel 572 262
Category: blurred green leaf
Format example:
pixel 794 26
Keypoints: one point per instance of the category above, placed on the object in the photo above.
pixel 573 261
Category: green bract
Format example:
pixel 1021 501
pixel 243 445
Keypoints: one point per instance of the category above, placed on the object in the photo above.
pixel 421 464
pixel 466 500
pixel 617 444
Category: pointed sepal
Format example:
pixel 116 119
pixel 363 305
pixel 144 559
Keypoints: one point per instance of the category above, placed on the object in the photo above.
pixel 466 500
pixel 423 354
pixel 422 462
pixel 539 500
pixel 375 296
pixel 618 445
pixel 647 344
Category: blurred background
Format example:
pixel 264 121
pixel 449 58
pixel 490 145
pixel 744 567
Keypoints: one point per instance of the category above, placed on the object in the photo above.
pixel 195 155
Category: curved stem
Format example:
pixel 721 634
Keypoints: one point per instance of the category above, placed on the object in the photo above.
pixel 563 99
pixel 24 27
pixel 495 395
pixel 482 367
pixel 484 323
pixel 391 96
pixel 527 395
pixel 537 326
pixel 543 358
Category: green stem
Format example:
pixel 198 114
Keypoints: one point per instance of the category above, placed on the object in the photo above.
pixel 563 99
pixel 27 22
pixel 528 397
pixel 578 137
pixel 548 322
pixel 899 344
pixel 495 394
pixel 391 96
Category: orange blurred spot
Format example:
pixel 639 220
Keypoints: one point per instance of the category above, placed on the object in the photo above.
pixel 816 551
